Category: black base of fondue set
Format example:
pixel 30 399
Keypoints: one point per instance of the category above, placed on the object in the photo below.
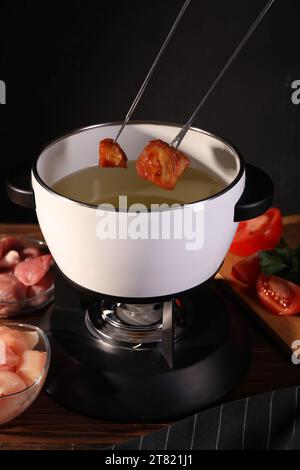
pixel 142 359
pixel 142 362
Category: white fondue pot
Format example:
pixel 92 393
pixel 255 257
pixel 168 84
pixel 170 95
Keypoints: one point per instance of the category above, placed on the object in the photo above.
pixel 140 267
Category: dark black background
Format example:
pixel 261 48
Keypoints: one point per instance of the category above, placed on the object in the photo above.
pixel 73 63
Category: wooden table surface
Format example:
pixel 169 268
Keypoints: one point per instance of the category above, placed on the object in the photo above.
pixel 46 425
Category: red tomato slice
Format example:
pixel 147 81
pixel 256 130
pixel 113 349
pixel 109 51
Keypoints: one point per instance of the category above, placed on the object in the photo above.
pixel 247 270
pixel 278 295
pixel 261 233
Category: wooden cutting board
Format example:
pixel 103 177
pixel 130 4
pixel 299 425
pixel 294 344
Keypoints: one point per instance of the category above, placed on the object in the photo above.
pixel 286 329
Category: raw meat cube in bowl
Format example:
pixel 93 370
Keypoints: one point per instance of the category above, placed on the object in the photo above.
pixel 26 278
pixel 24 364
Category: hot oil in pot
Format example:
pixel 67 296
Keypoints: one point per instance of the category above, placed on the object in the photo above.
pixel 95 185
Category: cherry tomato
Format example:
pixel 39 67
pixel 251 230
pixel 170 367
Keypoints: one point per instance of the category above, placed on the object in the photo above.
pixel 247 270
pixel 278 295
pixel 261 233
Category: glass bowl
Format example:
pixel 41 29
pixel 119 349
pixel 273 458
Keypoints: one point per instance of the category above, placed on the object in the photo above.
pixel 15 404
pixel 30 304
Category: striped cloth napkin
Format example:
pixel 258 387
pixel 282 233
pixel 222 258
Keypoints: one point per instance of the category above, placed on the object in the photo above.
pixel 261 422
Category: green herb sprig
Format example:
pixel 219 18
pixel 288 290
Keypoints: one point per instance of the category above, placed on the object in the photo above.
pixel 282 261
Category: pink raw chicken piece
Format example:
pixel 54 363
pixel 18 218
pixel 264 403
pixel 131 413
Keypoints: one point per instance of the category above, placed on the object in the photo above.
pixel 31 366
pixel 13 339
pixel 39 288
pixel 11 290
pixel 8 359
pixel 31 252
pixel 10 383
pixel 31 338
pixel 32 270
pixel 10 243
pixel 10 260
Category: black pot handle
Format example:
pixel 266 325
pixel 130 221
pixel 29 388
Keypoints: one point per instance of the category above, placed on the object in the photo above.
pixel 257 196
pixel 19 191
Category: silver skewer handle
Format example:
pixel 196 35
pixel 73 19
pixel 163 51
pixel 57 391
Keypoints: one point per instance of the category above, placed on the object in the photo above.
pixel 179 137
pixel 152 69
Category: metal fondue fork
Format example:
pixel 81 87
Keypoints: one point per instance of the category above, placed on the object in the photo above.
pixel 152 69
pixel 181 134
